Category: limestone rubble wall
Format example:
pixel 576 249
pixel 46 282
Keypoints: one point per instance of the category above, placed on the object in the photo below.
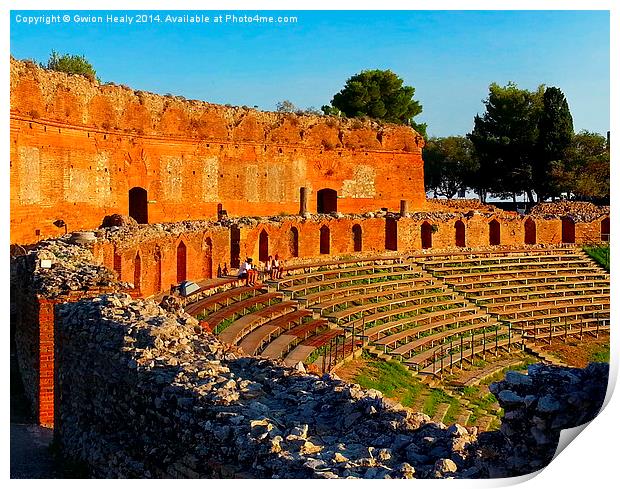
pixel 143 393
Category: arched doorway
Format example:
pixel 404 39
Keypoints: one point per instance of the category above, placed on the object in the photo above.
pixel 326 201
pixel 157 260
pixel 324 240
pixel 137 272
pixel 494 233
pixel 427 235
pixel 235 246
pixel 294 242
pixel 568 230
pixel 605 228
pixel 391 234
pixel 357 237
pixel 138 205
pixel 118 265
pixel 181 262
pixel 459 234
pixel 263 246
pixel 207 269
pixel 530 231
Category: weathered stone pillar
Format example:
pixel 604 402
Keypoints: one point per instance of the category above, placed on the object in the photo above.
pixel 404 208
pixel 303 200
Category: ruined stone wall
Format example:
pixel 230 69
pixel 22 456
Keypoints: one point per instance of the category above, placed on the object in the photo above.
pixel 207 245
pixel 144 393
pixel 78 147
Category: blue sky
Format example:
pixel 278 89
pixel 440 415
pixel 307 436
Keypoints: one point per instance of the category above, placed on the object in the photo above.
pixel 450 57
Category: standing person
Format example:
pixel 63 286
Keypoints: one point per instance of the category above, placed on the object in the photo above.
pixel 252 272
pixel 275 267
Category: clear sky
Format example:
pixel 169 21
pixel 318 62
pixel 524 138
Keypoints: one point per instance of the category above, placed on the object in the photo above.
pixel 450 57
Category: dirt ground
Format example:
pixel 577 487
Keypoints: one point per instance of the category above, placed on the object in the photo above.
pixel 350 369
pixel 574 352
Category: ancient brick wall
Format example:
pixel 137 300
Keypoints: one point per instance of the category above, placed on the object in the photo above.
pixel 78 148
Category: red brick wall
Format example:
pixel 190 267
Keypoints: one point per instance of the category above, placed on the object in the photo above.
pixel 77 148
pixel 46 362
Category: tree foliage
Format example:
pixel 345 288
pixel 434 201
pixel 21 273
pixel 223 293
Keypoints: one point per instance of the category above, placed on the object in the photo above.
pixel 71 63
pixel 520 139
pixel 379 94
pixel 286 106
pixel 586 169
pixel 449 165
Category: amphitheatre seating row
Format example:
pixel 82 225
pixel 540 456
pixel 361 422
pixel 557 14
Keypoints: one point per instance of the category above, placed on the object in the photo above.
pixel 254 341
pixel 222 299
pixel 537 303
pixel 503 293
pixel 396 306
pixel 363 280
pixel 467 278
pixel 473 286
pixel 422 293
pixel 303 351
pixel 241 308
pixel 330 293
pixel 513 258
pixel 322 273
pixel 479 267
pixel 306 268
pixel 281 345
pixel 249 322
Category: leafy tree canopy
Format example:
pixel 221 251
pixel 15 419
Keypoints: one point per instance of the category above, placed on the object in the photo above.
pixel 378 94
pixel 449 165
pixel 71 63
pixel 520 138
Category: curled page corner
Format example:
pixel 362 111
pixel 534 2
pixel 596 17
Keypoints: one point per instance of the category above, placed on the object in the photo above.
pixel 567 436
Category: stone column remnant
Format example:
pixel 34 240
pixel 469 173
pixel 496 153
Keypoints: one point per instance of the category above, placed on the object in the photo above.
pixel 303 200
pixel 404 208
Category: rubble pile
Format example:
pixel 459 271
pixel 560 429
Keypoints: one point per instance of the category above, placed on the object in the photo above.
pixel 145 393
pixel 462 205
pixel 537 407
pixel 578 211
pixel 71 268
pixel 118 220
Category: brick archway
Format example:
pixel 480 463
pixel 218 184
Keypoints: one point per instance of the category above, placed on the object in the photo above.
pixel 357 237
pixel 137 272
pixel 605 229
pixel 568 230
pixel 326 201
pixel 426 231
pixel 263 246
pixel 294 242
pixel 207 269
pixel 181 262
pixel 391 234
pixel 530 231
pixel 459 234
pixel 325 238
pixel 138 205
pixel 157 260
pixel 235 246
pixel 494 233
